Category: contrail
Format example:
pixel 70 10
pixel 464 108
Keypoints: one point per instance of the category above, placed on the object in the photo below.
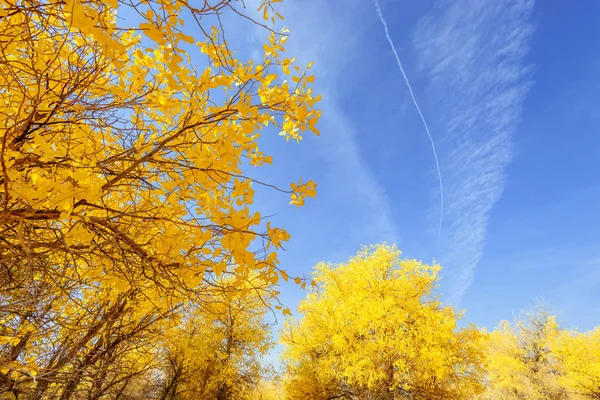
pixel 437 163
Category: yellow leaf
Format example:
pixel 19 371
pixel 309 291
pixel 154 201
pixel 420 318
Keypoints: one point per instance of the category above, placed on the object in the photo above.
pixel 219 268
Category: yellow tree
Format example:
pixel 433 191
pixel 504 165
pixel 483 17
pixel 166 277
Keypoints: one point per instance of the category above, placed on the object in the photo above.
pixel 126 155
pixel 372 328
pixel 269 389
pixel 215 353
pixel 521 363
pixel 578 356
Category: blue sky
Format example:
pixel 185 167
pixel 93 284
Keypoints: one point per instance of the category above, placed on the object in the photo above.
pixel 510 91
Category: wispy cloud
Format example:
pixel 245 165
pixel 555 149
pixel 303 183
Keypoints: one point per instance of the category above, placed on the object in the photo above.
pixel 416 104
pixel 473 52
pixel 321 27
pixel 349 194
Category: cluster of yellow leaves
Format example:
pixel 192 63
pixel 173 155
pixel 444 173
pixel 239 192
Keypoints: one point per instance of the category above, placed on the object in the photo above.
pixel 114 141
pixel 373 328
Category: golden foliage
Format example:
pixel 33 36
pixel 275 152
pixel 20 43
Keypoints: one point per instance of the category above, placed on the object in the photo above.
pixel 216 352
pixel 578 355
pixel 127 146
pixel 123 158
pixel 536 359
pixel 373 328
pixel 133 262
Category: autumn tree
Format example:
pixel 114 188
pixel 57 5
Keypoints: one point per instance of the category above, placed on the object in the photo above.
pixel 521 363
pixel 269 389
pixel 578 359
pixel 216 352
pixel 78 343
pixel 127 146
pixel 372 328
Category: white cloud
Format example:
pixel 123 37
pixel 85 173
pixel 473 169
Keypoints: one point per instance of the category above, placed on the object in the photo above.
pixel 473 52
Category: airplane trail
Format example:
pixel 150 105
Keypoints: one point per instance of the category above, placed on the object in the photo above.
pixel 437 163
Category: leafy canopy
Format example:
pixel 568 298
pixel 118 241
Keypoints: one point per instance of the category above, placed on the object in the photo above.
pixel 373 327
pixel 129 140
